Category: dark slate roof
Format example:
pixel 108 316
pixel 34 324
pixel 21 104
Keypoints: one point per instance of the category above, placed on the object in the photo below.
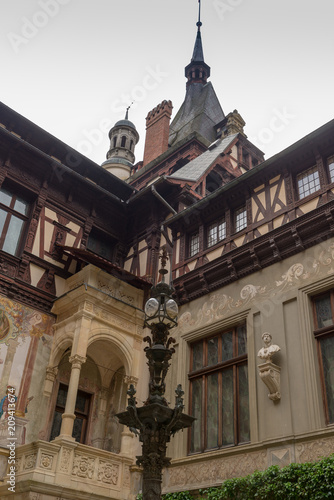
pixel 198 49
pixel 200 112
pixel 194 170
pixel 125 123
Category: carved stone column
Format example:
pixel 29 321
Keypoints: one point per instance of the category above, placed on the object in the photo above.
pixel 68 416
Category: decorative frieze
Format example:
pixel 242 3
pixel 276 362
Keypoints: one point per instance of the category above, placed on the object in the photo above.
pixel 314 450
pixel 215 471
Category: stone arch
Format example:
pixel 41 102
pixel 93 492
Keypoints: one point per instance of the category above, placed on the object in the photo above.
pixel 121 346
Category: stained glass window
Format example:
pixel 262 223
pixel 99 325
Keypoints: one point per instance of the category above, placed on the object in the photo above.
pixel 219 391
pixel 324 334
pixel 323 311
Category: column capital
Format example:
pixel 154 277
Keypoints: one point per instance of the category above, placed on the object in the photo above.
pixel 51 373
pixel 129 379
pixel 77 360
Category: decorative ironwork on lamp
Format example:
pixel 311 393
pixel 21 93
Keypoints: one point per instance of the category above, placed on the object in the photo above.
pixel 155 422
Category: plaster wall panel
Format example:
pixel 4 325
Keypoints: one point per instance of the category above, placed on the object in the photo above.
pixel 278 221
pixel 36 273
pixel 311 205
pixel 296 371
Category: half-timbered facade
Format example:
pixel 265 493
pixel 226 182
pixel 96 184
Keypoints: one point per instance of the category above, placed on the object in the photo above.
pixel 250 246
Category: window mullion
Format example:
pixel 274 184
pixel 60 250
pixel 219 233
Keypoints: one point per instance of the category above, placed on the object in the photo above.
pixel 5 229
pixel 235 401
pixel 204 415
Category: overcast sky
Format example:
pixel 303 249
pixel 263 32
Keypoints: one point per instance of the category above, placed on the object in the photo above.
pixel 73 66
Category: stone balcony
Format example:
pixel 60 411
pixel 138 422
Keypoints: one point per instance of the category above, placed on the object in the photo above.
pixel 69 470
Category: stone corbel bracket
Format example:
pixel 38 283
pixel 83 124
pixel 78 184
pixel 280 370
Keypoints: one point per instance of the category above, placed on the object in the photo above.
pixel 271 376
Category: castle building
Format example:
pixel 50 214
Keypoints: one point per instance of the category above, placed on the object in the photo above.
pixel 250 246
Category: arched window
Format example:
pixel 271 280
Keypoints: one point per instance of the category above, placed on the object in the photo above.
pixel 131 145
pixel 123 141
pixel 115 140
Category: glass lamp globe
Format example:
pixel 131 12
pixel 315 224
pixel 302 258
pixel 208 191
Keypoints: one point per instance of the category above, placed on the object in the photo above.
pixel 151 307
pixel 172 308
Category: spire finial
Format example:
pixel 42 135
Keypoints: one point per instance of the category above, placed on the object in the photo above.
pixel 127 112
pixel 199 24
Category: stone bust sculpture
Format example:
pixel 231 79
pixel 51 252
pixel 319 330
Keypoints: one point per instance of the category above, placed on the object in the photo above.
pixel 269 349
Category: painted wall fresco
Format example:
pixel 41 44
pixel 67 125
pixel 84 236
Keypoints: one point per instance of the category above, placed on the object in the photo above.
pixel 25 344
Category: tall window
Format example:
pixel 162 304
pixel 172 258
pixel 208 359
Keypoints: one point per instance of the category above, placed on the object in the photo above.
pixel 194 244
pixel 13 215
pixel 331 168
pixel 219 391
pixel 81 414
pixel 324 334
pixel 216 232
pixel 240 219
pixel 308 182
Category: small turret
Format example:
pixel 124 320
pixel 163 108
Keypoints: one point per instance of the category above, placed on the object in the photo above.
pixel 123 139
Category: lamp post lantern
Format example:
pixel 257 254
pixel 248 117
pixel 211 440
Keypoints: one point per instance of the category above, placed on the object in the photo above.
pixel 155 422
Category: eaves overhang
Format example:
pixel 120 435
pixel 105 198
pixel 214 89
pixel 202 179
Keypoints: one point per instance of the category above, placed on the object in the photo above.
pixel 250 174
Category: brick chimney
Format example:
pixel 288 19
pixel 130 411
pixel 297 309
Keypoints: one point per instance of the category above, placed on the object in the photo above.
pixel 157 131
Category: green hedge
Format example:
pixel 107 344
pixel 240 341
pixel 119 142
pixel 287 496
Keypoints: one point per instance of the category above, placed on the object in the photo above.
pixel 312 481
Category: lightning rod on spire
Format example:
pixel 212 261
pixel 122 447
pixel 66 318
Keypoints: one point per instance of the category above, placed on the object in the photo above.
pixel 199 24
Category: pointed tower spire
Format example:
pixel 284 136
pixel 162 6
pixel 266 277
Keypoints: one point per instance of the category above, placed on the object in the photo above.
pixel 197 71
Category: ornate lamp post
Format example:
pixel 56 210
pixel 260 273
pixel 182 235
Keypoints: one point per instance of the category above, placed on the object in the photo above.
pixel 155 422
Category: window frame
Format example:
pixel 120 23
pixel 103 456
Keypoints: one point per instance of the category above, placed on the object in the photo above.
pixel 313 168
pixel 235 362
pixel 320 334
pixel 237 211
pixel 190 245
pixel 215 225
pixel 82 415
pixel 12 213
pixel 330 161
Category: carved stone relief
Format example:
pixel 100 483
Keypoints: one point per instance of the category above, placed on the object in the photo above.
pixel 108 472
pixel 30 461
pixel 126 477
pixel 46 461
pixel 314 450
pixel 217 470
pixel 65 460
pixel 83 466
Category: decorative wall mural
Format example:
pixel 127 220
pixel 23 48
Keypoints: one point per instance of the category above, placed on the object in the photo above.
pixel 219 305
pixel 25 340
